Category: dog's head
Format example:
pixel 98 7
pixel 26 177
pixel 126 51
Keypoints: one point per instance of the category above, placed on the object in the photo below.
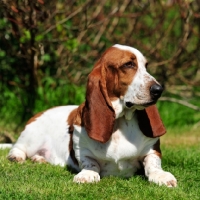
pixel 118 85
pixel 128 79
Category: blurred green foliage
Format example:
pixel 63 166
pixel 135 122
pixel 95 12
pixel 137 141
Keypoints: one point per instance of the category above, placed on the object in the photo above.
pixel 47 49
pixel 176 115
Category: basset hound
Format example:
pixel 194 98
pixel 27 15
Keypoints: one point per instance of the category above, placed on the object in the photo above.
pixel 114 132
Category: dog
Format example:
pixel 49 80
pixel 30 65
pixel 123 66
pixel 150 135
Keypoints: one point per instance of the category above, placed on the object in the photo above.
pixel 114 132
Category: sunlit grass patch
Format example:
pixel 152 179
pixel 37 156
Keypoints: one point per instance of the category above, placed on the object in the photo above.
pixel 44 181
pixel 181 136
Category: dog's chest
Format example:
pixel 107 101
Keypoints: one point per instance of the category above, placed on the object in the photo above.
pixel 120 156
pixel 127 142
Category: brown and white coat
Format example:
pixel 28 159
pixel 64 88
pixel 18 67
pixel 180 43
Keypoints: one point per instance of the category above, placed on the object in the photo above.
pixel 114 132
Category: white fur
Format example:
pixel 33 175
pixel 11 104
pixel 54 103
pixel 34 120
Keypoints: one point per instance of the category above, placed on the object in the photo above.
pixel 47 139
pixel 48 135
pixel 154 172
pixel 118 106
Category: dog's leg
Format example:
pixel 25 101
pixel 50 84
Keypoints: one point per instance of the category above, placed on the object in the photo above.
pixel 154 172
pixel 89 173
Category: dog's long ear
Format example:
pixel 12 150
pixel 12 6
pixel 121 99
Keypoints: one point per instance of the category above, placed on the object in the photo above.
pixel 150 122
pixel 98 113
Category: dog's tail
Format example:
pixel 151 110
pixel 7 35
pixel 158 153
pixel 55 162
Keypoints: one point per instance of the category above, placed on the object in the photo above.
pixel 6 146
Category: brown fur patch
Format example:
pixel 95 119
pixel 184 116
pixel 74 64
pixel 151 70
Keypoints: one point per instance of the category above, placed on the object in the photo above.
pixel 118 76
pixel 150 122
pixel 98 113
pixel 71 118
pixel 70 121
pixel 79 113
pixel 157 149
pixel 71 151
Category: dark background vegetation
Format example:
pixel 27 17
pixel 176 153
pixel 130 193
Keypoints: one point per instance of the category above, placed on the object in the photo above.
pixel 47 49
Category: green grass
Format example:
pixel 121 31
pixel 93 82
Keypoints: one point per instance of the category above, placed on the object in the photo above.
pixel 181 156
pixel 44 181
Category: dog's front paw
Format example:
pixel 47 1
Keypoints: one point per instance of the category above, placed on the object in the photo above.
pixel 87 176
pixel 163 178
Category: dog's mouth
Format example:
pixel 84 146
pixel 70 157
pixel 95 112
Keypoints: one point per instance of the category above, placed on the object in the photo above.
pixel 130 104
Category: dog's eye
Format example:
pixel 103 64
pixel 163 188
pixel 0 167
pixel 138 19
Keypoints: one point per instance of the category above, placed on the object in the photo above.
pixel 146 65
pixel 129 65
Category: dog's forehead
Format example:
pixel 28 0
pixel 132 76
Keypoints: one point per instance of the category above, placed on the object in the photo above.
pixel 137 53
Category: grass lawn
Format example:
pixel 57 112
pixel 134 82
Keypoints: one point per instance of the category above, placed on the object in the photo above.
pixel 181 156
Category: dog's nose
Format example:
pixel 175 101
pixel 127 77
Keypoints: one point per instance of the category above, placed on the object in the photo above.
pixel 156 91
